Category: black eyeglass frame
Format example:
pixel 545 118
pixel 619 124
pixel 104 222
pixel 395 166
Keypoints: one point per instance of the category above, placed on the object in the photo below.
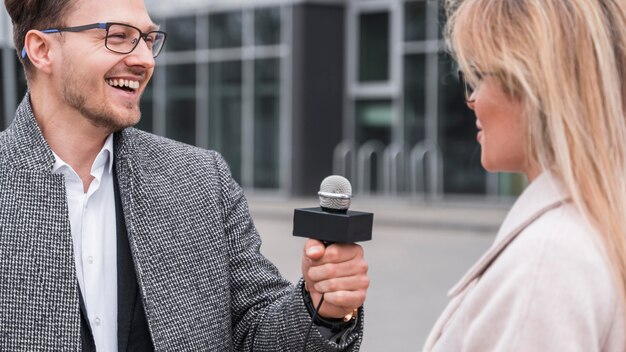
pixel 106 26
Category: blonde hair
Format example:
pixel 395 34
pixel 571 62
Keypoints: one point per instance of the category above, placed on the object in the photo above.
pixel 567 60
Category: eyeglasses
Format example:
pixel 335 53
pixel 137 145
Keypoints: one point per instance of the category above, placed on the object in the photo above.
pixel 468 89
pixel 120 38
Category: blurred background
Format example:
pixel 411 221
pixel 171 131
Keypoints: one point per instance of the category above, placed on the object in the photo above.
pixel 290 91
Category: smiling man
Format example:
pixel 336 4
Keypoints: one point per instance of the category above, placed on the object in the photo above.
pixel 113 239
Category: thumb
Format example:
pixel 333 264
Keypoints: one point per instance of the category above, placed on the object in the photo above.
pixel 314 249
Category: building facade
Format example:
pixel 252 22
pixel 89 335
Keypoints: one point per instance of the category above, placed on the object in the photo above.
pixel 290 91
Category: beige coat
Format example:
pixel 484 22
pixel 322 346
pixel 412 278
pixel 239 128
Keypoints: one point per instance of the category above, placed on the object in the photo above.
pixel 544 285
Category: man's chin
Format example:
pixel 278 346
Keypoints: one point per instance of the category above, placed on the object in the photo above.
pixel 124 118
pixel 125 123
pixel 115 122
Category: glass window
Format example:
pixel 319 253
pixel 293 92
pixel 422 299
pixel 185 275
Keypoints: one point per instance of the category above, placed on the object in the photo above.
pixel 267 26
pixel 181 33
pixel 442 19
pixel 225 30
pixel 414 99
pixel 181 103
pixel 373 118
pixel 415 21
pixel 511 184
pixel 147 103
pixel 225 100
pixel 374 47
pixel 266 123
pixel 463 172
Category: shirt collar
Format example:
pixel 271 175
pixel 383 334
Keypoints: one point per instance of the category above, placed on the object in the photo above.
pixel 105 155
pixel 108 147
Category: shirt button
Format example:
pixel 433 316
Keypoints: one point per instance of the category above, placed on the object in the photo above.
pixel 97 321
pixel 90 260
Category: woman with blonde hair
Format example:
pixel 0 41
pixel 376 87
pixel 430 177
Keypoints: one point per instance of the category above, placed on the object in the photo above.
pixel 547 82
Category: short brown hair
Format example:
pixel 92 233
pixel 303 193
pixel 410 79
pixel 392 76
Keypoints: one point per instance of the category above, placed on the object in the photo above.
pixel 34 14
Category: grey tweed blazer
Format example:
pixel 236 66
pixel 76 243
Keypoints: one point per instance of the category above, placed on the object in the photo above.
pixel 204 284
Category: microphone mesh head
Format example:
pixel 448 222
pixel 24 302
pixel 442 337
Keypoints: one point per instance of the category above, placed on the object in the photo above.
pixel 335 193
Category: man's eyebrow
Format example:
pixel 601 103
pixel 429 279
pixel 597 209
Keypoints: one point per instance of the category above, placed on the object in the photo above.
pixel 150 28
pixel 153 27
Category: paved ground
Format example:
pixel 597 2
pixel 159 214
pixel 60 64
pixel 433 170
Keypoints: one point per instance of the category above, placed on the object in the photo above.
pixel 417 254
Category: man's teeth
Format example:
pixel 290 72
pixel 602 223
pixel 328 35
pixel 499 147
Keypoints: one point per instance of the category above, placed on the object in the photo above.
pixel 123 83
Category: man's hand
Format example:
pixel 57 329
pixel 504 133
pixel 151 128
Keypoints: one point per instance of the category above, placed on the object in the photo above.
pixel 339 271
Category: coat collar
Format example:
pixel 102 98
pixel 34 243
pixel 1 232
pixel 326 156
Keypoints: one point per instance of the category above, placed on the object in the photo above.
pixel 30 150
pixel 543 194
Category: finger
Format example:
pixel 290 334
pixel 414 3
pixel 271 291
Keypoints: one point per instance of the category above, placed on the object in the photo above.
pixel 331 270
pixel 343 301
pixel 352 283
pixel 330 310
pixel 341 252
pixel 314 249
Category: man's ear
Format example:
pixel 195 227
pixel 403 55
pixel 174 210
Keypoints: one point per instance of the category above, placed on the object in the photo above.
pixel 38 49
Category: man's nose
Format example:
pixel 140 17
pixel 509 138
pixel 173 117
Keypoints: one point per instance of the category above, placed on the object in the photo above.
pixel 142 55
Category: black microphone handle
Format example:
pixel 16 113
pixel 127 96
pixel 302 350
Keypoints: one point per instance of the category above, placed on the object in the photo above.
pixel 333 227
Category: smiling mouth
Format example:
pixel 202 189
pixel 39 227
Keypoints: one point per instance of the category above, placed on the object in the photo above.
pixel 123 84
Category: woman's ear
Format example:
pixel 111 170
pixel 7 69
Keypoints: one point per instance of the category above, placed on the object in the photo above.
pixel 37 48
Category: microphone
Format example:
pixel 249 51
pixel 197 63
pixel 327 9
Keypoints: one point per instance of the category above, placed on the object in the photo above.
pixel 332 222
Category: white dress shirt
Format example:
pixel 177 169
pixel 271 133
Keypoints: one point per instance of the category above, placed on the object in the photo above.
pixel 94 231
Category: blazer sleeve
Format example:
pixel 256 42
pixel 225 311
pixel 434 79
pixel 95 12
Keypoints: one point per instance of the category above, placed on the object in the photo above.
pixel 268 313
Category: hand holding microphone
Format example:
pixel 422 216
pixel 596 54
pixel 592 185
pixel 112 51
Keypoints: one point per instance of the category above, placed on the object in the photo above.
pixel 338 271
pixel 332 265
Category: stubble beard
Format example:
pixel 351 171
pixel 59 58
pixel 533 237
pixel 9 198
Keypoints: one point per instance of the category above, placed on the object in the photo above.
pixel 98 113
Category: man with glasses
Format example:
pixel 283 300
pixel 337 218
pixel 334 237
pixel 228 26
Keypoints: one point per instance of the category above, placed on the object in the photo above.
pixel 115 239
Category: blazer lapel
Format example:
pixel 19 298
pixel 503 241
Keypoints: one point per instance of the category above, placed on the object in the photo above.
pixel 126 279
pixel 86 334
pixel 134 332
